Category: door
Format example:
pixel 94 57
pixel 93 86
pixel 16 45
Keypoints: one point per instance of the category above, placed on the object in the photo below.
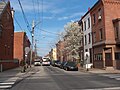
pixel 108 59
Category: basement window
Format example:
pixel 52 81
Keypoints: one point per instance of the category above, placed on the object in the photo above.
pixel 117 56
pixel 0 31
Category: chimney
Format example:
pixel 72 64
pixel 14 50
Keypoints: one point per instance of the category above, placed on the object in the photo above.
pixel 12 11
pixel 89 9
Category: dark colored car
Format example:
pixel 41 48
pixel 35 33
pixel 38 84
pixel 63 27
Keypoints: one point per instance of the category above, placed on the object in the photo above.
pixel 55 63
pixel 62 64
pixel 70 65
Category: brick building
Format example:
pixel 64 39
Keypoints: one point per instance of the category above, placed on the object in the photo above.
pixel 21 41
pixel 6 31
pixel 60 48
pixel 105 16
pixel 6 36
pixel 81 49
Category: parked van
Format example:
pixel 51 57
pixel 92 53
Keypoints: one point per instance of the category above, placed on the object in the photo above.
pixel 45 61
pixel 37 62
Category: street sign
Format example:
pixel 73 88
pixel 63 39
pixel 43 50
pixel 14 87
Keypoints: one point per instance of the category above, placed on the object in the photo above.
pixel 27 49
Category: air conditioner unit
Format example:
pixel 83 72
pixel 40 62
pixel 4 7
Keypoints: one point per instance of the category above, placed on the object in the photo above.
pixel 99 17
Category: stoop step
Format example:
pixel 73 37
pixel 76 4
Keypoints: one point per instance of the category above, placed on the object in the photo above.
pixel 110 68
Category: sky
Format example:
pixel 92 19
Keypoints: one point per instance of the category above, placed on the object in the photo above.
pixel 50 17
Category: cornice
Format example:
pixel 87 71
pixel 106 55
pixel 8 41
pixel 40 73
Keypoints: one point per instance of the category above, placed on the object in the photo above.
pixel 111 1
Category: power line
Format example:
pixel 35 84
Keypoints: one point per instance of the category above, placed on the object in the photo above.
pixel 42 13
pixel 34 9
pixel 18 23
pixel 38 9
pixel 50 32
pixel 26 21
pixel 14 18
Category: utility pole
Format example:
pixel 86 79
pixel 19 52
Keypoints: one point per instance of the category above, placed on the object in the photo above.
pixel 35 48
pixel 32 44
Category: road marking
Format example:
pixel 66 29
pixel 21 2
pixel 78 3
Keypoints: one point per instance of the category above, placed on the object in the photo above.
pixel 3 83
pixel 5 87
pixel 109 88
pixel 117 78
pixel 114 76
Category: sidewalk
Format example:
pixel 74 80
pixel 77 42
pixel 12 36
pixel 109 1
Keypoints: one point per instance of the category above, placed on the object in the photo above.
pixel 99 71
pixel 13 72
pixel 10 77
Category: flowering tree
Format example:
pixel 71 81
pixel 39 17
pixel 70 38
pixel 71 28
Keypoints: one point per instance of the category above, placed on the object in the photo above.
pixel 72 38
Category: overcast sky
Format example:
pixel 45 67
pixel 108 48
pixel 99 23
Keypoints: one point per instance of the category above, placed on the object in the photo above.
pixel 52 15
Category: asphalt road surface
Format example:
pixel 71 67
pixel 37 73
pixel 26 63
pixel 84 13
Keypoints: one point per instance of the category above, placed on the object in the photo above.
pixel 53 78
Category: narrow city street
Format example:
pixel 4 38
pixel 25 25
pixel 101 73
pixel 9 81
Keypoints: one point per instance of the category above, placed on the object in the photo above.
pixel 53 78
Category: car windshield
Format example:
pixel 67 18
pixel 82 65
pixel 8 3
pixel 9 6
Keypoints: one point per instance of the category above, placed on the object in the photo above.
pixel 71 64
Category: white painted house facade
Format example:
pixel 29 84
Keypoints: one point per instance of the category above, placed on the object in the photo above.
pixel 87 31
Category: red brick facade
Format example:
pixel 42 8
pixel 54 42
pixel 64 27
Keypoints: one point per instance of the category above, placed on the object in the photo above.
pixel 7 33
pixel 20 43
pixel 105 49
pixel 6 37
pixel 60 47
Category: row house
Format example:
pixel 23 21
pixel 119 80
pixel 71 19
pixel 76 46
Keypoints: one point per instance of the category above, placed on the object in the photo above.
pixel 21 42
pixel 6 36
pixel 81 48
pixel 87 35
pixel 101 27
pixel 106 50
pixel 60 49
pixel 53 54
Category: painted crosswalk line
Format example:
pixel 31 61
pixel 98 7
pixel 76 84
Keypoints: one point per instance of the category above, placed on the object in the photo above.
pixel 6 85
pixel 112 76
pixel 109 88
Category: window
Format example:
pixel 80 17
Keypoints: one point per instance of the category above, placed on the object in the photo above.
pixel 94 19
pixel 0 31
pixel 116 33
pixel 95 57
pixel 88 23
pixel 117 55
pixel 94 37
pixel 8 16
pixel 84 25
pixel 101 34
pixel 98 56
pixel 86 50
pixel 85 40
pixel 99 14
pixel 89 38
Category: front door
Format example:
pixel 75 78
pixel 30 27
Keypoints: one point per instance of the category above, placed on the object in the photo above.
pixel 108 59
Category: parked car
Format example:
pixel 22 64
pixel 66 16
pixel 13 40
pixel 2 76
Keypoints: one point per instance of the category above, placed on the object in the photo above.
pixel 62 64
pixel 55 63
pixel 58 64
pixel 37 62
pixel 70 65
pixel 46 63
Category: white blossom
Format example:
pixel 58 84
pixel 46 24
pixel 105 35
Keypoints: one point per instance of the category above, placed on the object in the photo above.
pixel 73 36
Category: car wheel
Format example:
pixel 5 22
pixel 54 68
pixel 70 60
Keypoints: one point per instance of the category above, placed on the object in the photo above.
pixel 66 69
pixel 77 69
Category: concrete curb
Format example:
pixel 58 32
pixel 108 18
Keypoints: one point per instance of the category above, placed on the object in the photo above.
pixel 99 71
